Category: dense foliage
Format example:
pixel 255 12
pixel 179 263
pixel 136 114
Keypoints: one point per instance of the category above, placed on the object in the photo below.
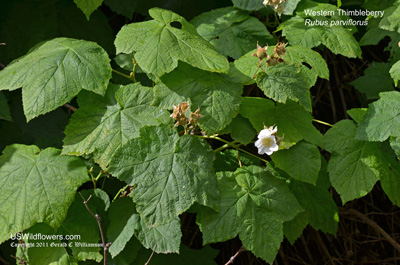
pixel 120 121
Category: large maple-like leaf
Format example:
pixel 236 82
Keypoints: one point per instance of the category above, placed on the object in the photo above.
pixel 159 44
pixel 36 186
pixel 54 72
pixel 170 173
pixel 254 202
pixel 103 124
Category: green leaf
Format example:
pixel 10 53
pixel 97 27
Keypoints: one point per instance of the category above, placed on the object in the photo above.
pixel 80 222
pixel 254 202
pixel 376 79
pixel 395 72
pixel 391 19
pixel 45 131
pixel 251 5
pixel 123 222
pixel 302 162
pixel 382 119
pixel 48 251
pixel 4 108
pixel 204 256
pixel 171 173
pixel 241 130
pixel 23 24
pixel 245 68
pixel 88 6
pixel 28 178
pixel 231 31
pixel 54 72
pixel 293 121
pixel 294 228
pixel 122 7
pixel 395 144
pixel 228 160
pixel 101 125
pixel 167 236
pixel 338 39
pixel 320 209
pixel 357 114
pixel 159 44
pixel 354 166
pixel 290 6
pixel 390 181
pixel 301 55
pixel 216 94
pixel 286 81
pixel 374 34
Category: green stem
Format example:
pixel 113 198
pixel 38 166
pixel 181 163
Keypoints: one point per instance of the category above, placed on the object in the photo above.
pixel 124 75
pixel 99 175
pixel 134 70
pixel 324 123
pixel 232 145
pixel 119 192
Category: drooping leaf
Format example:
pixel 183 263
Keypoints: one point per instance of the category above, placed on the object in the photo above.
pixel 171 173
pixel 294 228
pixel 376 79
pixel 54 72
pixel 389 178
pixel 302 162
pixel 228 160
pixel 45 131
pixel 320 208
pixel 4 108
pixel 240 130
pixel 293 121
pixel 382 119
pixel 253 202
pixel 123 222
pixel 374 34
pixel 216 94
pixel 126 222
pixel 286 81
pixel 204 256
pixel 30 193
pixel 231 31
pixel 80 222
pixel 101 125
pixel 159 44
pixel 88 6
pixel 354 166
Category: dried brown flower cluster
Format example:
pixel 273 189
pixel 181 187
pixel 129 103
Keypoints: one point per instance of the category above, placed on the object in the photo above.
pixel 179 116
pixel 276 56
pixel 276 4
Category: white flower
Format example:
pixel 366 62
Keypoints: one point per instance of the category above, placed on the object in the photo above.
pixel 266 142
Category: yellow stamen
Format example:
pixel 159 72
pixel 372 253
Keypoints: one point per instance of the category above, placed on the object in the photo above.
pixel 267 142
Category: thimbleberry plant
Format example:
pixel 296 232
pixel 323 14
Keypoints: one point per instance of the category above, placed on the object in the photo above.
pixel 124 122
